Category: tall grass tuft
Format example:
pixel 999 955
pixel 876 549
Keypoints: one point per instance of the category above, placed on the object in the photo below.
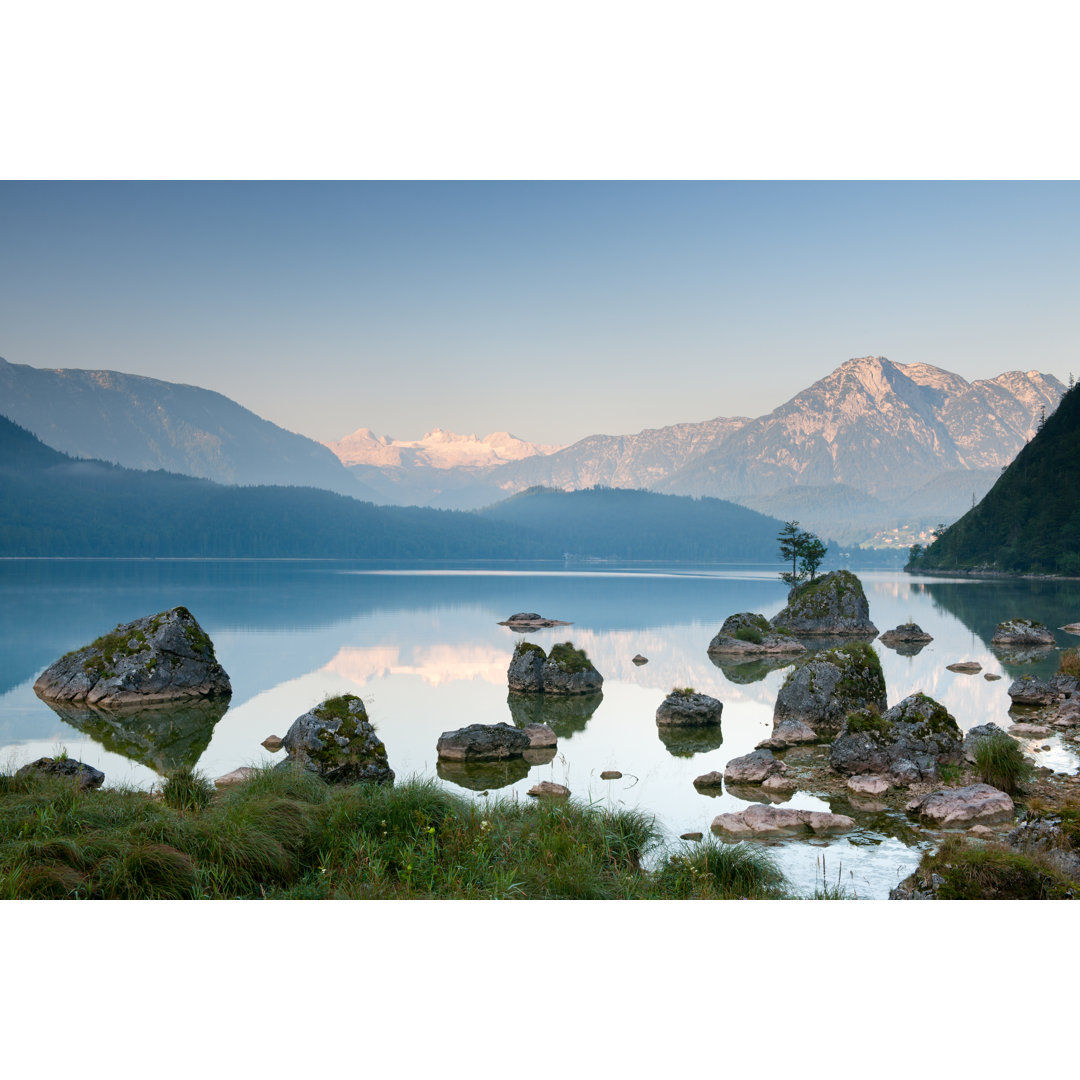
pixel 994 872
pixel 1069 663
pixel 1001 763
pixel 187 789
pixel 715 870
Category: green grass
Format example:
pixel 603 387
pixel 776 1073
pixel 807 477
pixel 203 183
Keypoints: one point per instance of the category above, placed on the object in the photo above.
pixel 286 834
pixel 993 872
pixel 187 789
pixel 1070 662
pixel 570 659
pixel 1001 763
pixel 711 870
pixel 749 633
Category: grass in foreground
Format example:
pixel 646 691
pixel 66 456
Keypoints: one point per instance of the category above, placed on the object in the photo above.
pixel 1001 763
pixel 286 834
pixel 994 872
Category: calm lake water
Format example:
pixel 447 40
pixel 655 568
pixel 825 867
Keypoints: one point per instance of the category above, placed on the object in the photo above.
pixel 423 649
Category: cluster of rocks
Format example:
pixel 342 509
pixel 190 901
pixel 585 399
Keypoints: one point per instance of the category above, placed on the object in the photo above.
pixel 566 670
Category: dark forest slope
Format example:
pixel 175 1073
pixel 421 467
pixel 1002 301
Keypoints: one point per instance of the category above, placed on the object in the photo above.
pixel 1029 521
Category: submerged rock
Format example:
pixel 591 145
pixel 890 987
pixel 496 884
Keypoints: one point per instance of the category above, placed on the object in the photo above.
pixel 961 806
pixel 760 819
pixel 565 670
pixel 908 741
pixel 822 690
pixel 834 604
pixel 530 620
pixel 483 742
pixel 686 708
pixel 86 776
pixel 749 634
pixel 337 741
pixel 158 658
pixel 611 774
pixel 965 667
pixel 1021 632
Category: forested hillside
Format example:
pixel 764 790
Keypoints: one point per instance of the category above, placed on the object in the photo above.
pixel 1029 521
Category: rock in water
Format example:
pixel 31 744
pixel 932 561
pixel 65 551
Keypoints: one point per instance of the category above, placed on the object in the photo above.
pixel 822 690
pixel 1021 632
pixel 961 806
pixel 757 819
pixel 749 634
pixel 163 657
pixel 547 789
pixel 835 604
pixel 639 660
pixel 1028 690
pixel 685 708
pixel 483 742
pixel 337 741
pixel 752 768
pixel 906 634
pixel 86 775
pixel 566 670
pixel 907 742
pixel 965 667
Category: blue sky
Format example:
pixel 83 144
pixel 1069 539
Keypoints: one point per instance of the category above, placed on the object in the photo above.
pixel 553 310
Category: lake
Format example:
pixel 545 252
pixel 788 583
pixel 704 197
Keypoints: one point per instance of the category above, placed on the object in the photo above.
pixel 423 649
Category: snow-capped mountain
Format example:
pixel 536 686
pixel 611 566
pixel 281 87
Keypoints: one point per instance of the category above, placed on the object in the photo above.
pixel 438 449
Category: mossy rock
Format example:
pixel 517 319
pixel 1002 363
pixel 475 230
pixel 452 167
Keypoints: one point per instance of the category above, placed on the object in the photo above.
pixel 337 741
pixel 833 605
pixel 822 690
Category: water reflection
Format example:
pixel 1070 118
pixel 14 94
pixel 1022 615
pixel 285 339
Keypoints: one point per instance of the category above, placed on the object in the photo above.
pixel 750 671
pixel 905 648
pixel 686 741
pixel 483 775
pixel 564 715
pixel 163 737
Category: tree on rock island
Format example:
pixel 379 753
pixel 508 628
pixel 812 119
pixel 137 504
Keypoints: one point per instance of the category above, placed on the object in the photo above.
pixel 804 549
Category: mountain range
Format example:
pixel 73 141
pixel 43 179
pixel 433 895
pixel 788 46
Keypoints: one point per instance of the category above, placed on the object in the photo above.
pixel 872 445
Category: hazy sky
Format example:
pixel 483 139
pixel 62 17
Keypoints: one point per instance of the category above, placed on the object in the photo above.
pixel 552 310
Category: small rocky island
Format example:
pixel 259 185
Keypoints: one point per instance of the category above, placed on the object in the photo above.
pixel 684 707
pixel 750 634
pixel 834 605
pixel 566 670
pixel 530 620
pixel 159 658
pixel 1021 632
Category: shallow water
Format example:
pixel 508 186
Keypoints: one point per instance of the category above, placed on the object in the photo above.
pixel 423 649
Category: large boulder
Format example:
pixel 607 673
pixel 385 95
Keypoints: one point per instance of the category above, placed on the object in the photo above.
pixel 1021 632
pixel 748 634
pixel 337 741
pixel 565 670
pixel 1030 690
pixel 85 776
pixel 753 768
pixel 822 690
pixel 686 708
pixel 760 820
pixel 788 733
pixel 162 657
pixel 963 806
pixel 833 605
pixel 483 742
pixel 907 742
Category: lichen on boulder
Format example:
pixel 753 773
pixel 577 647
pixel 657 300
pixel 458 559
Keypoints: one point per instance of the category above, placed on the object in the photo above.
pixel 750 634
pixel 337 741
pixel 833 605
pixel 908 742
pixel 565 670
pixel 158 658
pixel 823 689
